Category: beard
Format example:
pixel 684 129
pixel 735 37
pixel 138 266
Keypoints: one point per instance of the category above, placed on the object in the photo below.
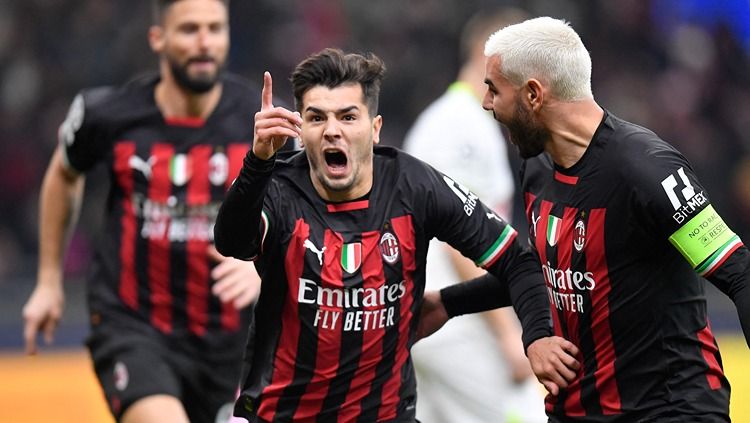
pixel 199 84
pixel 527 135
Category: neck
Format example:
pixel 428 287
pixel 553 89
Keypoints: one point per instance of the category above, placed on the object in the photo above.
pixel 175 101
pixel 572 126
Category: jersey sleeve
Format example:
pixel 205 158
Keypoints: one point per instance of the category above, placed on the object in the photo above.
pixel 243 224
pixel 83 134
pixel 457 217
pixel 678 208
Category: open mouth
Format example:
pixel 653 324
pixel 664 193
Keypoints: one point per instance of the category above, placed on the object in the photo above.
pixel 336 161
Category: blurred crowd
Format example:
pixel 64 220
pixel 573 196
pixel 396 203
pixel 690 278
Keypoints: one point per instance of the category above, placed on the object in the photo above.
pixel 679 67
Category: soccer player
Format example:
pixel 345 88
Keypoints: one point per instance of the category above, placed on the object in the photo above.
pixel 167 333
pixel 340 234
pixel 625 234
pixel 456 136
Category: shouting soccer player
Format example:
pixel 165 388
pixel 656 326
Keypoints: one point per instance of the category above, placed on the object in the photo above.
pixel 623 230
pixel 340 233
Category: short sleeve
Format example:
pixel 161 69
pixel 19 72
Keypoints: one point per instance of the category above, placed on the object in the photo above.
pixel 81 135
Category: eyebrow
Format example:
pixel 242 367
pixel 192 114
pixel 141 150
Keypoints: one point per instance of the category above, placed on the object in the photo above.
pixel 338 112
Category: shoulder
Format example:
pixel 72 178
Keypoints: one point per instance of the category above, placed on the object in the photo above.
pixel 111 104
pixel 639 152
pixel 241 92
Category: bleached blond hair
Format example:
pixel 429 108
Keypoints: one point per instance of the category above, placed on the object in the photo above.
pixel 546 49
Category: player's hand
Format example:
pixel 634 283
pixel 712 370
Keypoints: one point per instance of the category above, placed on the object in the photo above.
pixel 42 312
pixel 432 315
pixel 553 360
pixel 237 281
pixel 273 125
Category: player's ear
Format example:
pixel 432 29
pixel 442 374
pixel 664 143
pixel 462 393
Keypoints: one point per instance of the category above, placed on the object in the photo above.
pixel 377 123
pixel 156 38
pixel 534 94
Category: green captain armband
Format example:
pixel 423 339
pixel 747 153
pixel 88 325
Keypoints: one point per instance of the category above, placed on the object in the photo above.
pixel 705 240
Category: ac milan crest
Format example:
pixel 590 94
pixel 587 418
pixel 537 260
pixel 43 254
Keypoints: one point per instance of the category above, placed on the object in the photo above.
pixel 579 236
pixel 389 247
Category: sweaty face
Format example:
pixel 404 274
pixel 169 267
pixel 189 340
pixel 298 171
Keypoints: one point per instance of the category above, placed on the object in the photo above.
pixel 507 105
pixel 339 134
pixel 195 41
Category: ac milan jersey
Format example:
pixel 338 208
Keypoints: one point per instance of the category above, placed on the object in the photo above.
pixel 343 282
pixel 167 178
pixel 622 236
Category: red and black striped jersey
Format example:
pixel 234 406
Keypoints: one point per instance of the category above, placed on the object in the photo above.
pixel 343 283
pixel 167 179
pixel 622 237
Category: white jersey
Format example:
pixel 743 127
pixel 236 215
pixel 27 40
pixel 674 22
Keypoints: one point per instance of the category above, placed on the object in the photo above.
pixel 461 373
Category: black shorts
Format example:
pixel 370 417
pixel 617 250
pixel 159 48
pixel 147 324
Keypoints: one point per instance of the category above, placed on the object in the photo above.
pixel 132 364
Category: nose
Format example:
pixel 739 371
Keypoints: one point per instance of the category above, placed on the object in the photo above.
pixel 332 128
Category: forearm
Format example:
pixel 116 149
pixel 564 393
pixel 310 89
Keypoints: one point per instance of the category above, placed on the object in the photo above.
pixel 529 296
pixel 483 293
pixel 237 232
pixel 59 205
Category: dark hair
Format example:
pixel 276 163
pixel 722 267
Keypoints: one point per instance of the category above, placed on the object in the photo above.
pixel 332 67
pixel 160 6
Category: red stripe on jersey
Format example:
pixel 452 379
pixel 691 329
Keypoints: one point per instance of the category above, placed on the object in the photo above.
pixel 604 348
pixel 539 236
pixel 286 351
pixel 196 286
pixel 329 333
pixel 573 405
pixel 372 340
pixel 710 350
pixel 230 316
pixel 189 122
pixel 570 180
pixel 159 191
pixel 235 155
pixel 124 173
pixel 348 206
pixel 404 231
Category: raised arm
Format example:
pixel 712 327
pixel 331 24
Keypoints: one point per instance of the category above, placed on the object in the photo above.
pixel 240 223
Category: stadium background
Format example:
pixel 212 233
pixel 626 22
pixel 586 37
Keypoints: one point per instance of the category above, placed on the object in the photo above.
pixel 679 67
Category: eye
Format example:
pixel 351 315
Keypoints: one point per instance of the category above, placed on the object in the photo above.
pixel 349 117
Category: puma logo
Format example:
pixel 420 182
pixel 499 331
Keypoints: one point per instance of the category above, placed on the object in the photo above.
pixel 310 246
pixel 138 163
pixel 492 215
pixel 533 222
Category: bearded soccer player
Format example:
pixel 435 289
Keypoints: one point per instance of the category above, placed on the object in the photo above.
pixel 167 333
pixel 340 234
pixel 625 234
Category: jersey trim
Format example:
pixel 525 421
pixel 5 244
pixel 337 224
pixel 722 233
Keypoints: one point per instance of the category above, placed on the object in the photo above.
pixel 709 349
pixel 498 247
pixel 187 122
pixel 566 179
pixel 719 257
pixel 348 206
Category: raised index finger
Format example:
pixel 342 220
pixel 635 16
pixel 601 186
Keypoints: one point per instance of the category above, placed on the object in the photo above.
pixel 267 93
